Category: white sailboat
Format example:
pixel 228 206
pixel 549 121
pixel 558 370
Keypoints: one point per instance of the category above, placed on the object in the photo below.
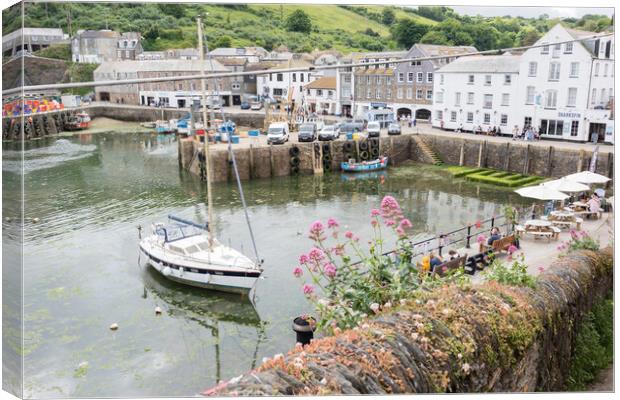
pixel 187 252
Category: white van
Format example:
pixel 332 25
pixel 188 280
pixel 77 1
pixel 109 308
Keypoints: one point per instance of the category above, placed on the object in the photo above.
pixel 277 133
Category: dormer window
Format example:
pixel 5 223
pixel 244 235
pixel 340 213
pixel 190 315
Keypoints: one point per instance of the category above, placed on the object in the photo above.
pixel 545 49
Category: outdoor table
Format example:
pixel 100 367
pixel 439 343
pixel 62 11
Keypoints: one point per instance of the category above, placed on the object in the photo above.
pixel 538 223
pixel 579 206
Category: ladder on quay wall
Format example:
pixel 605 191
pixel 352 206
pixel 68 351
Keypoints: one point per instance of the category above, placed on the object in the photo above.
pixel 428 151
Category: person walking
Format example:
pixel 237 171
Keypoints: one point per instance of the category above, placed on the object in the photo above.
pixel 414 121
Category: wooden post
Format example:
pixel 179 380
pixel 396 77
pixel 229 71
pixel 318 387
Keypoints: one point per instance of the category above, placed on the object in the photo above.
pixel 270 160
pixel 526 162
pixel 580 161
pixel 480 154
pixel 391 155
pixel 462 155
pixel 610 165
pixel 550 161
pixel 507 156
pixel 251 162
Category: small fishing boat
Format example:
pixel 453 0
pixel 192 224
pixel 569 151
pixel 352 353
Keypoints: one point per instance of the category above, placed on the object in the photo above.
pixel 150 125
pixel 163 126
pixel 78 122
pixel 364 166
pixel 182 251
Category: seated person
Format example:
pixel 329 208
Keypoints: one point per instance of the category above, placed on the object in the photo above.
pixel 594 204
pixel 494 236
pixel 435 261
pixel 453 255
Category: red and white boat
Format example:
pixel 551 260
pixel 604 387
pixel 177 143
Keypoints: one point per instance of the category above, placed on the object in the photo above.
pixel 78 122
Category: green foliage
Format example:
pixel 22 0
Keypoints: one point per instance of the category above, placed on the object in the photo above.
pixel 435 37
pixel 407 32
pixel 514 274
pixel 79 72
pixel 437 13
pixel 593 347
pixel 387 16
pixel 57 51
pixel 172 9
pixel 222 41
pixel 298 21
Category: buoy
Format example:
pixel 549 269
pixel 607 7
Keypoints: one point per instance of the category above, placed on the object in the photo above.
pixel 8 219
pixel 158 310
pixel 114 326
pixel 35 220
pixel 166 271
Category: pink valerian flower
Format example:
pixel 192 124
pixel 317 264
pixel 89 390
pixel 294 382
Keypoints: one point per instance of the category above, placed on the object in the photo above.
pixel 390 222
pixel 332 223
pixel 316 230
pixel 478 224
pixel 308 289
pixel 316 254
pixel 330 270
pixel 574 235
pixel 481 238
pixel 348 235
pixel 405 224
pixel 390 208
pixel 374 223
pixel 512 249
pixel 541 269
pixel 338 250
pixel 400 231
pixel 298 272
pixel 375 212
pixel 304 259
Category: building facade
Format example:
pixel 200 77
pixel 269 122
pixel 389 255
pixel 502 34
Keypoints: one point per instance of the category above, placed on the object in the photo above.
pixel 96 47
pixel 31 39
pixel 477 93
pixel 344 89
pixel 279 86
pixel 414 81
pixel 320 95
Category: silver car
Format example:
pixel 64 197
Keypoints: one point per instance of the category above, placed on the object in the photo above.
pixel 329 132
pixel 394 128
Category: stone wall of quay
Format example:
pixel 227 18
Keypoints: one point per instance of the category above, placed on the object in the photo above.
pixel 512 156
pixel 483 338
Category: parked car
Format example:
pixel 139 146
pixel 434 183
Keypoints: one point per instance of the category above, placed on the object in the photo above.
pixel 349 127
pixel 329 132
pixel 277 133
pixel 307 132
pixel 360 124
pixel 256 105
pixel 245 105
pixel 374 129
pixel 394 128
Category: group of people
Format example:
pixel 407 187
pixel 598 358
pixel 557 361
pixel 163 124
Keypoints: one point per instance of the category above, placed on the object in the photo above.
pixel 528 133
pixel 407 119
pixel 482 130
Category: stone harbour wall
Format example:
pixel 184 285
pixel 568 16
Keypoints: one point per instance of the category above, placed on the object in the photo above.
pixel 482 338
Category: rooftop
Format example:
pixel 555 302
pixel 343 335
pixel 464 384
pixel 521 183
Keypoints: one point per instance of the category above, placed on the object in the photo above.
pixel 491 64
pixel 434 50
pixel 104 33
pixel 326 82
pixel 238 51
pixel 160 66
pixel 33 32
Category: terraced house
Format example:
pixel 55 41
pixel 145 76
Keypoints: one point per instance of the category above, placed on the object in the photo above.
pixel 414 80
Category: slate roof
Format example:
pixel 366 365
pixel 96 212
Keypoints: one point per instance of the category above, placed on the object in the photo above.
pixel 490 64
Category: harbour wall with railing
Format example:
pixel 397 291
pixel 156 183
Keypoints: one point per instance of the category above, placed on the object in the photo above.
pixel 486 337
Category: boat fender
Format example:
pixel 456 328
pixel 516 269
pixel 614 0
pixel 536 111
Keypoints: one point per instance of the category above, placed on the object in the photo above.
pixel 294 161
pixel 294 151
pixel 374 152
pixel 327 166
pixel 181 270
pixel 364 145
pixel 166 271
pixel 364 155
pixel 326 148
pixel 347 147
pixel 327 157
pixel 295 169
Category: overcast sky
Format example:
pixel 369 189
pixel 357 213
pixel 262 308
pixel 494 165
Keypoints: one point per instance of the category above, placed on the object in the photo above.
pixel 563 12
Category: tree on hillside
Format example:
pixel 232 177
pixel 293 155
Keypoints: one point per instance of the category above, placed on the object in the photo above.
pixel 437 13
pixel 222 41
pixel 406 32
pixel 528 36
pixel 298 21
pixel 176 10
pixel 387 16
pixel 485 36
pixel 435 37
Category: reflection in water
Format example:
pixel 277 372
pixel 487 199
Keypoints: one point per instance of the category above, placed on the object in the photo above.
pixel 81 273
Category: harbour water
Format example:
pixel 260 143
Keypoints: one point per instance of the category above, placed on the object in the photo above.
pixel 82 271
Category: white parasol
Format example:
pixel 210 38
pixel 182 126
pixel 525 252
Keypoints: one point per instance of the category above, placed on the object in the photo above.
pixel 567 186
pixel 587 177
pixel 541 192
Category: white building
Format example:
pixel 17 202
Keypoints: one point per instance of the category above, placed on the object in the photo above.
pixel 566 90
pixel 278 85
pixel 320 95
pixel 477 91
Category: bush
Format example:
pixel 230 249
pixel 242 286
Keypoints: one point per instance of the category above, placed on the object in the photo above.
pixel 298 21
pixel 513 275
pixel 593 347
pixel 57 51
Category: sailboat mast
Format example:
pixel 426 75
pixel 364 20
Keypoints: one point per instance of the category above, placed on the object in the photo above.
pixel 206 136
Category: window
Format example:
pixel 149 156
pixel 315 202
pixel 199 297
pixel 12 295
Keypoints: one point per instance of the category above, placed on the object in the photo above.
pixel 488 101
pixel 487 80
pixel 487 118
pixel 574 70
pixel 532 69
pixel 429 77
pixel 470 98
pixel 410 77
pixel 470 117
pixel 544 49
pixel 409 93
pixel 294 77
pixel 418 94
pixel 572 97
pixel 453 116
pixel 420 77
pixel 378 93
pixel 551 127
pixel 507 79
pixel 270 77
pixel 388 80
pixel 470 79
pixel 401 77
pixel 301 77
pixel 503 120
pixel 596 68
pixel 574 128
pixel 603 99
pixel 551 98
pixel 277 92
pixel 606 69
pixel 554 71
pixel 593 98
pixel 568 48
pixel 505 99
pixel 379 80
pixel 399 93
pixel 368 80
pixel 439 114
pixel 429 95
pixel 319 92
pixel 556 50
pixel 236 86
pixel 280 77
pixel 388 93
pixel 369 93
pixel 457 98
pixel 441 79
pixel 439 97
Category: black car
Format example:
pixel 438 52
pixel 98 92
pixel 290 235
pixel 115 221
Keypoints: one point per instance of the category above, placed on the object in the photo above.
pixel 245 105
pixel 307 132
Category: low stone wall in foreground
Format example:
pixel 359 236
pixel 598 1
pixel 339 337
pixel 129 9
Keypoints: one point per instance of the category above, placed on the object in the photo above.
pixel 485 338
